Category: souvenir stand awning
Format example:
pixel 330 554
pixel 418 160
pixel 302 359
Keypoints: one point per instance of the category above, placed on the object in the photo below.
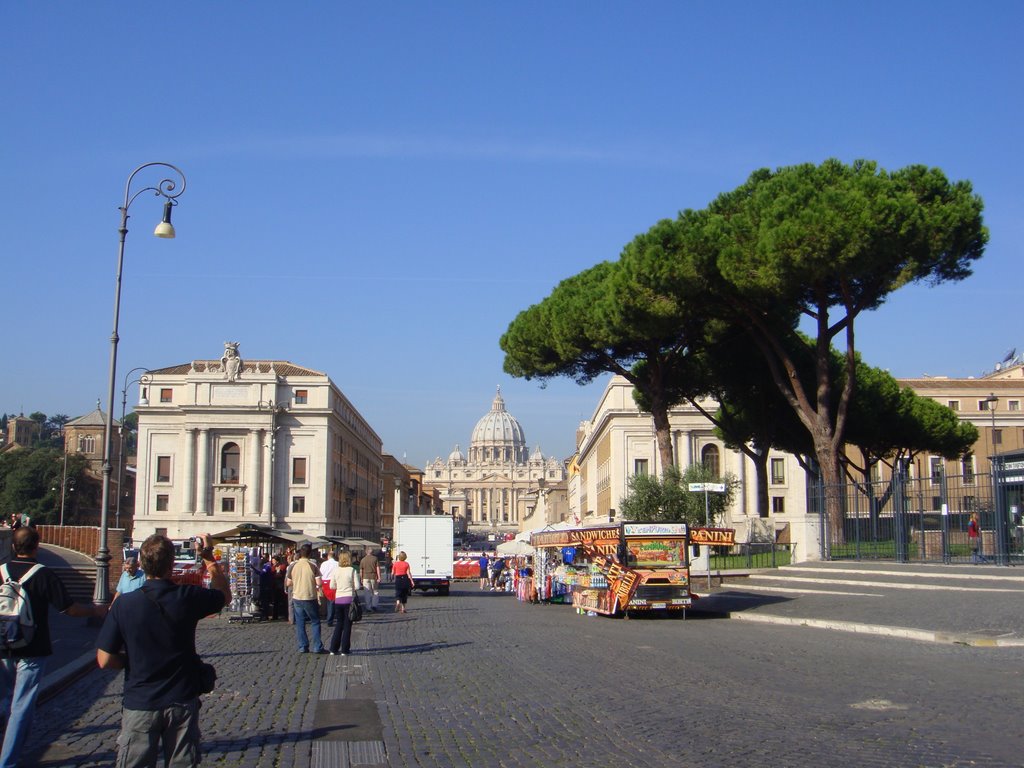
pixel 235 544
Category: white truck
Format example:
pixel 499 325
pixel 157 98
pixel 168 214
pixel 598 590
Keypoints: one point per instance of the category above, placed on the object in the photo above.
pixel 427 543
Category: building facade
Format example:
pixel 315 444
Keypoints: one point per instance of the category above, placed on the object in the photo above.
pixel 619 442
pixel 498 483
pixel 225 442
pixel 991 402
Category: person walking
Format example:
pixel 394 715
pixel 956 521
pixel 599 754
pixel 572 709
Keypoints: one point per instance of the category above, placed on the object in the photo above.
pixel 327 568
pixel 403 582
pixel 132 577
pixel 345 583
pixel 151 634
pixel 305 583
pixel 974 539
pixel 21 669
pixel 369 573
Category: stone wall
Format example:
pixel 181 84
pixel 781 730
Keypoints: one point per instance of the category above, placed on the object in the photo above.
pixel 86 540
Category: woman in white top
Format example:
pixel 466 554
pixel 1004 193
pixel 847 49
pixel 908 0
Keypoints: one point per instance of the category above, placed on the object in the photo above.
pixel 346 583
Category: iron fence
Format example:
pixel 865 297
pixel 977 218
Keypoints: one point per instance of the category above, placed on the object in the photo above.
pixel 923 519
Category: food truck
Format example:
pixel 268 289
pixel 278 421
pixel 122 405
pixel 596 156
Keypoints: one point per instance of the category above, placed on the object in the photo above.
pixel 612 569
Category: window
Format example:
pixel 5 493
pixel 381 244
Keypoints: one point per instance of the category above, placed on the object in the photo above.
pixel 778 471
pixel 986 405
pixel 227 504
pixel 160 531
pixel 778 505
pixel 640 466
pixel 954 405
pixel 299 471
pixel 298 503
pixel 301 396
pixel 935 468
pixel 161 502
pixel 166 395
pixel 163 469
pixel 1013 405
pixel 875 472
pixel 997 437
pixel 86 444
pixel 709 458
pixel 229 463
pixel 967 470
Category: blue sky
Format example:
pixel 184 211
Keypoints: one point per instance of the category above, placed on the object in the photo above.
pixel 376 189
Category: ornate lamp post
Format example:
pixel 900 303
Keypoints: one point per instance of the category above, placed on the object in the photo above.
pixel 169 190
pixel 120 465
pixel 275 409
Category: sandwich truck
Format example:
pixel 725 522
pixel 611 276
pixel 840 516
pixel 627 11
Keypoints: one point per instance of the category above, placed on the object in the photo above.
pixel 612 569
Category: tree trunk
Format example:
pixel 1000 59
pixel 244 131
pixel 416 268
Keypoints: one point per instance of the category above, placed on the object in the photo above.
pixel 760 459
pixel 831 477
pixel 663 432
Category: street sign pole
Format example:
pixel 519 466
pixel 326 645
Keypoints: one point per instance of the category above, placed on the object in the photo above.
pixel 706 487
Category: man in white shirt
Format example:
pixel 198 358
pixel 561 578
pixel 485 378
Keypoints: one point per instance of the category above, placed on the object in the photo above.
pixel 327 567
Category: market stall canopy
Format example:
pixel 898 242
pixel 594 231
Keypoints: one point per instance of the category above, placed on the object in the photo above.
pixel 251 533
pixel 514 548
pixel 360 543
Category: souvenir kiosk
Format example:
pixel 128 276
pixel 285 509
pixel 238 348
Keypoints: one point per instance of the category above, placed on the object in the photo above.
pixel 612 569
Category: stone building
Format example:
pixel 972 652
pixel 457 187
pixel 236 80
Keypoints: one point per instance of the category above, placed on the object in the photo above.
pixel 498 482
pixel 225 442
pixel 619 442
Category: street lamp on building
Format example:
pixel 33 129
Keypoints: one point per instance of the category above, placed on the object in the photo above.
pixel 120 465
pixel 170 191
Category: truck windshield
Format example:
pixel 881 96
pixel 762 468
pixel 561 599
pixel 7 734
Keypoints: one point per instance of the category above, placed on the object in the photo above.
pixel 656 553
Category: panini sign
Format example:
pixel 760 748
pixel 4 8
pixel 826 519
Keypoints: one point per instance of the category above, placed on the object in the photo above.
pixel 714 537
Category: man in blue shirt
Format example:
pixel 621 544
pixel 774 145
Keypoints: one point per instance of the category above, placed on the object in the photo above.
pixel 151 634
pixel 131 579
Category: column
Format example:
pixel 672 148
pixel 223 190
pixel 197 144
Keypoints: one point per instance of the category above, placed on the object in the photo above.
pixel 252 492
pixel 203 478
pixel 189 504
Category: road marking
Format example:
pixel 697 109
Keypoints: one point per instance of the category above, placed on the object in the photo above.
pixel 882 584
pixel 880 705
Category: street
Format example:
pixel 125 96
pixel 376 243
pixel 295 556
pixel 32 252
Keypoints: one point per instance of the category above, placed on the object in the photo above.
pixel 477 678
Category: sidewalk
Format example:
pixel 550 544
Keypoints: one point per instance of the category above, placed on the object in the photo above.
pixel 980 606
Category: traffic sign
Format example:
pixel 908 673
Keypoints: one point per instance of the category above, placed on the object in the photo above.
pixel 715 487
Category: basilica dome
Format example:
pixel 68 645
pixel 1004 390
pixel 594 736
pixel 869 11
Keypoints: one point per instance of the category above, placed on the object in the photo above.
pixel 498 436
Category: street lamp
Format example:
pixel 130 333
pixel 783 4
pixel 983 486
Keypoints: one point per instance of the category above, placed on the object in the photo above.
pixel 168 189
pixel 274 409
pixel 120 466
pixel 990 403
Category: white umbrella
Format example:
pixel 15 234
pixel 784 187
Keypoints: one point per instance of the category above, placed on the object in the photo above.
pixel 515 548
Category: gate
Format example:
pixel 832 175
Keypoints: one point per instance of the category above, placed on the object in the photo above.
pixel 925 519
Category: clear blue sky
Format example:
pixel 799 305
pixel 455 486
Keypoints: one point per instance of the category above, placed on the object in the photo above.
pixel 375 190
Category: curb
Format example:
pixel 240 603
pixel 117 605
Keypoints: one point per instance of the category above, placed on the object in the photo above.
pixel 906 633
pixel 56 681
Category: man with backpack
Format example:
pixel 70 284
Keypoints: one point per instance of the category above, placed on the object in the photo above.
pixel 27 591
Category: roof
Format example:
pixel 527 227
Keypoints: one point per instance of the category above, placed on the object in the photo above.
pixel 281 367
pixel 96 418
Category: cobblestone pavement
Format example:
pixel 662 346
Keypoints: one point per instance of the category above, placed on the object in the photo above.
pixel 477 678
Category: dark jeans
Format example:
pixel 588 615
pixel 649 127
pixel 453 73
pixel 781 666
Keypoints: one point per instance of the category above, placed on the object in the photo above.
pixel 332 612
pixel 342 636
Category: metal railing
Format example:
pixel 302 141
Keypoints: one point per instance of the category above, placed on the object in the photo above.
pixel 923 520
